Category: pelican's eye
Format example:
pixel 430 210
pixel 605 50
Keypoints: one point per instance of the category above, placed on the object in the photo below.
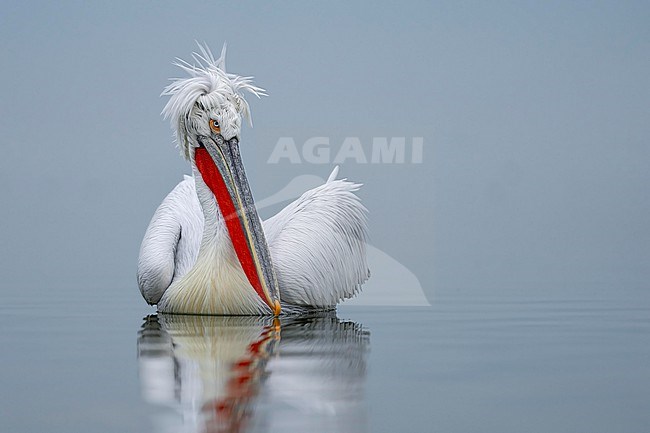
pixel 214 125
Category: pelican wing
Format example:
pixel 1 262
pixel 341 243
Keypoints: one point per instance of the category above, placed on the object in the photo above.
pixel 171 242
pixel 318 245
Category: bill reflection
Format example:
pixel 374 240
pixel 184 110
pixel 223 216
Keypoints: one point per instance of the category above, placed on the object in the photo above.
pixel 249 374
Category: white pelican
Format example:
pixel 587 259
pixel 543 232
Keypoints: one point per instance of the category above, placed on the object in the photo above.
pixel 206 251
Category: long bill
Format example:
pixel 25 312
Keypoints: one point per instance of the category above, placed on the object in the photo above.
pixel 219 162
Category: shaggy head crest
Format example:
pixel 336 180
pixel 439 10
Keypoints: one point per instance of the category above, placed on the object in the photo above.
pixel 208 89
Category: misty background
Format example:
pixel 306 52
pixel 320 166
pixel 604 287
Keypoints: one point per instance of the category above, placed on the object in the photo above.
pixel 534 118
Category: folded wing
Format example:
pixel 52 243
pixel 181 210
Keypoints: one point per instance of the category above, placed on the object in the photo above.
pixel 318 245
pixel 171 243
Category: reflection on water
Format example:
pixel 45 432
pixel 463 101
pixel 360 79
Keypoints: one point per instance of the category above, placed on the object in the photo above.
pixel 246 374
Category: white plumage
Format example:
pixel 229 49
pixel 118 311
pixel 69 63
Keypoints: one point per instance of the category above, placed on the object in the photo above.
pixel 188 263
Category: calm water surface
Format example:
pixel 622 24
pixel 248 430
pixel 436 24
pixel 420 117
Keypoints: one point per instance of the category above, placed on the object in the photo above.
pixel 506 365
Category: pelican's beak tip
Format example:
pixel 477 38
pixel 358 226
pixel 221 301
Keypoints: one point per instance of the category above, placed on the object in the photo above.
pixel 276 308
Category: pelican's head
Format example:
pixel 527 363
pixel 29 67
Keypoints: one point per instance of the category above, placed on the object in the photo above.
pixel 208 101
pixel 206 110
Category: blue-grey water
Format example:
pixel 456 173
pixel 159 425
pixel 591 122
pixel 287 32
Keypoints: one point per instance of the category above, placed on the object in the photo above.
pixel 490 365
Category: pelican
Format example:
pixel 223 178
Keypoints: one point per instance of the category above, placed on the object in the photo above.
pixel 206 250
